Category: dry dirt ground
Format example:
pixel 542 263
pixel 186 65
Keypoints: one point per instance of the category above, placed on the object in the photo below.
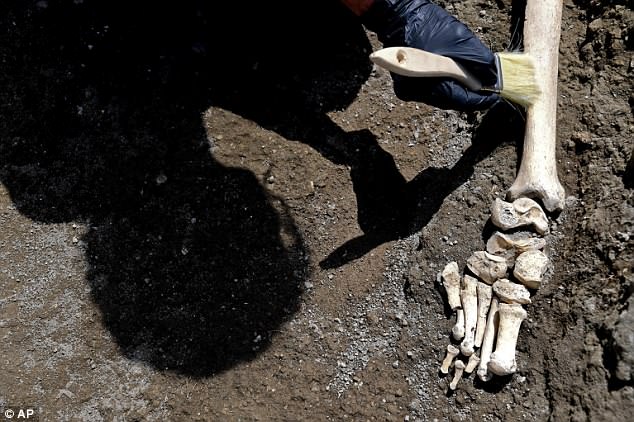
pixel 221 213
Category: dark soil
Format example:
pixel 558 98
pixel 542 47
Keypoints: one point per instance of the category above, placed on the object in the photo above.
pixel 224 213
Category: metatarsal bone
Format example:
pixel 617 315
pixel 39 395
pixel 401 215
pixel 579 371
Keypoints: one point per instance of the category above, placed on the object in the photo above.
pixel 486 266
pixel 522 212
pixel 469 299
pixel 503 359
pixel 509 292
pixel 458 330
pixel 530 268
pixel 451 281
pixel 485 292
pixel 488 340
pixel 537 176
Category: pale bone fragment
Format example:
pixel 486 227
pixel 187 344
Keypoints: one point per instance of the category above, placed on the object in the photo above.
pixel 458 330
pixel 459 369
pixel 503 359
pixel 530 268
pixel 485 292
pixel 510 292
pixel 522 212
pixel 452 352
pixel 469 299
pixel 474 360
pixel 486 266
pixel 451 281
pixel 509 246
pixel 537 176
pixel 488 340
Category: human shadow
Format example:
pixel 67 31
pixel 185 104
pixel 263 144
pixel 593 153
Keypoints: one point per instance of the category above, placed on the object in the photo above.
pixel 193 264
pixel 391 208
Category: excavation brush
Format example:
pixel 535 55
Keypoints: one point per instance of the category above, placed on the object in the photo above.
pixel 515 71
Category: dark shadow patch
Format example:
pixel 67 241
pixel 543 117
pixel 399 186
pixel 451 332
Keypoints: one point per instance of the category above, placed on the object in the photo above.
pixel 390 208
pixel 494 385
pixel 193 265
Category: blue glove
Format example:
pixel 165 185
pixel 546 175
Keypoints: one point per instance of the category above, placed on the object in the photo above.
pixel 425 25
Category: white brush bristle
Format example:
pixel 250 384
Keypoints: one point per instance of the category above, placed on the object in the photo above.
pixel 518 78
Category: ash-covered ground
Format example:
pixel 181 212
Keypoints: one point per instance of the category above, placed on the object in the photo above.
pixel 195 227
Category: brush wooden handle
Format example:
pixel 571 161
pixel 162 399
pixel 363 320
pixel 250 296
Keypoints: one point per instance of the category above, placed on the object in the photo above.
pixel 409 61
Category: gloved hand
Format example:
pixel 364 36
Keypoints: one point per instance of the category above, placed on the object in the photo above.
pixel 425 25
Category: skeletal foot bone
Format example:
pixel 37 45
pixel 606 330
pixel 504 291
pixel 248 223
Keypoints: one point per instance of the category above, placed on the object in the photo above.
pixel 510 292
pixel 536 179
pixel 487 267
pixel 485 292
pixel 469 298
pixel 458 330
pixel 510 246
pixel 452 352
pixel 530 268
pixel 474 360
pixel 488 340
pixel 451 281
pixel 522 212
pixel 503 359
pixel 459 369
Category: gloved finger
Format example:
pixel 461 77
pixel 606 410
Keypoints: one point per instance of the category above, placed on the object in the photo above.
pixel 442 93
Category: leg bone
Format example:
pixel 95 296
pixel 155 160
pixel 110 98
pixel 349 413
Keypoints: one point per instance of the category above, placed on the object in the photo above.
pixel 537 176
